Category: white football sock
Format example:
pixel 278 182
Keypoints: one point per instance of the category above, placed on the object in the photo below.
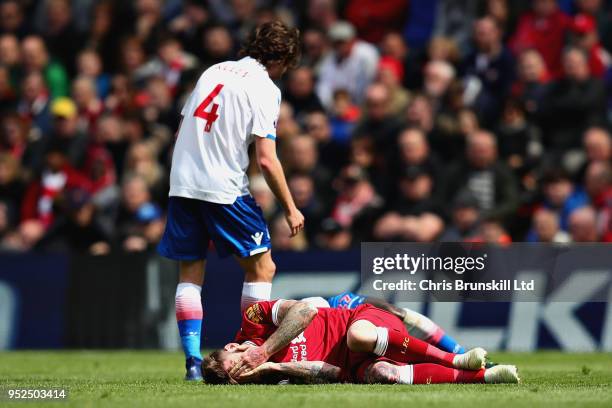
pixel 253 292
pixel 405 374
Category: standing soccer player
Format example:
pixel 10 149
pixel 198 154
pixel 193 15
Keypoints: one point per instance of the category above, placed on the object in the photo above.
pixel 233 104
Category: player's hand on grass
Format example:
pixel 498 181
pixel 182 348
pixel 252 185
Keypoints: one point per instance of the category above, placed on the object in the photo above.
pixel 251 358
pixel 257 373
pixel 295 219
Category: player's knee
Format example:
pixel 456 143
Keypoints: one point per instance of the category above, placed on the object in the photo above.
pixel 380 373
pixel 191 272
pixel 266 270
pixel 361 337
pixel 271 268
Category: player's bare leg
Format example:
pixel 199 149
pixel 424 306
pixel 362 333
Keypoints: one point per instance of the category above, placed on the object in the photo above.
pixel 259 271
pixel 364 336
pixel 188 302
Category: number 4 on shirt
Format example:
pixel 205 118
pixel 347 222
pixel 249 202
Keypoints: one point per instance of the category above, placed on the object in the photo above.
pixel 211 116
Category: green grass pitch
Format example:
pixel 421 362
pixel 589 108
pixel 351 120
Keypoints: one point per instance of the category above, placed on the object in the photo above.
pixel 153 379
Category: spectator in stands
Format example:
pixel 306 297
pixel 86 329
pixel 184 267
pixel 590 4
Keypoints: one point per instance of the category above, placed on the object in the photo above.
pixel 11 190
pixel 492 65
pixel 301 93
pixel 34 104
pixel 394 46
pixel 36 59
pixel 14 136
pixel 377 120
pixel 218 45
pixel 10 56
pixel 464 220
pixel 572 104
pixel 303 191
pixel 12 18
pixel 315 48
pixel 597 144
pixel 89 65
pixel 489 180
pixel 140 220
pixel 132 55
pixel 345 115
pixel 141 160
pixel 6 229
pixel 332 147
pixel 543 28
pixel 584 28
pixel 518 139
pixel 60 34
pixel 148 24
pixel 583 225
pixel 158 104
pixel 598 10
pixel 413 150
pixel 546 227
pixel 391 73
pixel 42 193
pixel 415 215
pixel 561 196
pixel 357 201
pixel 188 26
pixel 533 76
pixel 89 105
pixel 170 63
pixel 334 236
pixel 420 113
pixel 67 132
pixel 492 231
pixel 598 185
pixel 76 228
pixel 437 79
pixel 351 65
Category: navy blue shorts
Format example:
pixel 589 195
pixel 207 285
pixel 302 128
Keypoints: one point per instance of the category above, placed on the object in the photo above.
pixel 238 229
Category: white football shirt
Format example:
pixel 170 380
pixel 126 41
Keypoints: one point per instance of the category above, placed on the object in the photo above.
pixel 231 102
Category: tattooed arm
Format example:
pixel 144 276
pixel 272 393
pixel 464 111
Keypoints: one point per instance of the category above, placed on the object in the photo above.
pixel 292 318
pixel 310 372
pixel 304 372
pixel 382 373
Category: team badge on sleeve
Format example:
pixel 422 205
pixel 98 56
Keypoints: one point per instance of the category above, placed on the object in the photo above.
pixel 254 313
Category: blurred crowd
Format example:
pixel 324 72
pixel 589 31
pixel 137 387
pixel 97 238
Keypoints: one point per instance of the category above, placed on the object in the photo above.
pixel 474 120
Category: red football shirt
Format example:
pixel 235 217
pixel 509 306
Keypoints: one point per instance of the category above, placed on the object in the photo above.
pixel 323 340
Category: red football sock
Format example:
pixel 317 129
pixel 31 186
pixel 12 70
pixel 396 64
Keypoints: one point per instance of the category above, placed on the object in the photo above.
pixel 437 374
pixel 407 349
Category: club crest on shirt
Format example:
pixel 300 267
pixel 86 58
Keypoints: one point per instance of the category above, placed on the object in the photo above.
pixel 253 313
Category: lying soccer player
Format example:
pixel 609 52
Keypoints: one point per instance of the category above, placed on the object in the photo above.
pixel 418 325
pixel 295 340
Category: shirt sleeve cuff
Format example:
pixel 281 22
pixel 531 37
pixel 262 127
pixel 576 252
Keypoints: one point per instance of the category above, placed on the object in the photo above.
pixel 275 311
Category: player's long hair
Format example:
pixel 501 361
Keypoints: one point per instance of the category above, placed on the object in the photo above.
pixel 273 42
pixel 213 371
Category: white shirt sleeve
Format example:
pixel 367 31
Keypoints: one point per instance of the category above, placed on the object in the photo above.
pixel 265 107
pixel 275 311
pixel 187 106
